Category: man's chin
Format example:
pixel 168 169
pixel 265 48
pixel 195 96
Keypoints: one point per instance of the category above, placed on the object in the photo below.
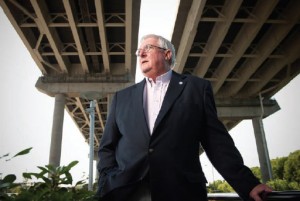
pixel 146 70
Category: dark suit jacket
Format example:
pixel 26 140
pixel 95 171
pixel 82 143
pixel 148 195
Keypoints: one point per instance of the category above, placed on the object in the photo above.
pixel 170 156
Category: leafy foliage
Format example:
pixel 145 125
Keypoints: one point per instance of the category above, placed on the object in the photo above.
pixel 283 185
pixel 256 171
pixel 23 152
pixel 292 167
pixel 5 184
pixel 8 181
pixel 286 172
pixel 54 184
pixel 278 167
pixel 286 175
pixel 219 186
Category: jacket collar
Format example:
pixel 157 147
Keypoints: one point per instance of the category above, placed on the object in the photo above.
pixel 177 84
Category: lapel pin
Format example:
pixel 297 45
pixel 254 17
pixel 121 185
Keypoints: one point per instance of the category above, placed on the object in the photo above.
pixel 180 83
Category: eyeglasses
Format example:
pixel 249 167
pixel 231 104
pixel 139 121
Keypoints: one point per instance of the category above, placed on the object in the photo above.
pixel 147 48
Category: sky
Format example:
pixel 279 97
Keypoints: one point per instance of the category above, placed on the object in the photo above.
pixel 26 113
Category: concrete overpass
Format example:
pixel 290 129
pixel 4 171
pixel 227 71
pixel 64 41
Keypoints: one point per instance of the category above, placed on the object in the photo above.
pixel 248 49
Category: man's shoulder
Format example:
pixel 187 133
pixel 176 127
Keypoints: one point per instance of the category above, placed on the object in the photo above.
pixel 131 88
pixel 194 78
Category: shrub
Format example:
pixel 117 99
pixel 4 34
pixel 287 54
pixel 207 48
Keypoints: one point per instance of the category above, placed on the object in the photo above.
pixel 54 184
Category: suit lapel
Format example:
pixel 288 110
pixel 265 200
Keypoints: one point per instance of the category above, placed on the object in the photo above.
pixel 176 85
pixel 140 108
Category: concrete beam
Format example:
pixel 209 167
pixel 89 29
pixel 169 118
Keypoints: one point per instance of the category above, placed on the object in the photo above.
pixel 70 8
pixel 245 109
pixel 102 35
pixel 76 89
pixel 268 43
pixel 291 51
pixel 242 41
pixel 215 40
pixel 189 33
pixel 43 17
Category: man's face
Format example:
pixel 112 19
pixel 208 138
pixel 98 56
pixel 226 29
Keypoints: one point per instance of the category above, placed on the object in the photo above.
pixel 154 62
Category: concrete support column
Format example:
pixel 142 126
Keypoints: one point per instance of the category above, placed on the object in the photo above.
pixel 57 128
pixel 96 158
pixel 262 149
pixel 109 100
pixel 91 111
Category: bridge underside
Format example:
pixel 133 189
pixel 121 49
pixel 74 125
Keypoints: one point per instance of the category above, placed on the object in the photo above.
pixel 248 49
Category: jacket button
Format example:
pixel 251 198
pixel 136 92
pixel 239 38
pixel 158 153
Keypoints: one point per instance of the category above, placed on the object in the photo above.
pixel 151 150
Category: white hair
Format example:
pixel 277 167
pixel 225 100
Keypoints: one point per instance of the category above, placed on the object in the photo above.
pixel 164 43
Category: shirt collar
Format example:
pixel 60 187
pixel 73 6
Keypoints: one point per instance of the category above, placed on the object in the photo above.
pixel 164 78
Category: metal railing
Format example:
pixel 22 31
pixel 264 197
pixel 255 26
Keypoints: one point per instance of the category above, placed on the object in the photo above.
pixel 273 196
pixel 223 196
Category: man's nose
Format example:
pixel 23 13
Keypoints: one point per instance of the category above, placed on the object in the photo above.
pixel 143 53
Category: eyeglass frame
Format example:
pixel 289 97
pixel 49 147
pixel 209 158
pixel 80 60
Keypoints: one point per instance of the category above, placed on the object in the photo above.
pixel 147 48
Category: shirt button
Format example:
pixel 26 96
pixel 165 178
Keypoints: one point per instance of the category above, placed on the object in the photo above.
pixel 151 150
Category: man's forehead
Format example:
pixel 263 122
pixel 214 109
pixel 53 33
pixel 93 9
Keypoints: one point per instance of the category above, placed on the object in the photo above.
pixel 151 41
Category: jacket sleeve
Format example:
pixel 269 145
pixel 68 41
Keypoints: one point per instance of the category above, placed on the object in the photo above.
pixel 222 152
pixel 109 140
pixel 107 161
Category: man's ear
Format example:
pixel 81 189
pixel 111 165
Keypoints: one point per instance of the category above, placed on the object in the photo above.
pixel 168 55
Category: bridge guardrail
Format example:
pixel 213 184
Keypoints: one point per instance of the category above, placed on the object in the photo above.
pixel 273 196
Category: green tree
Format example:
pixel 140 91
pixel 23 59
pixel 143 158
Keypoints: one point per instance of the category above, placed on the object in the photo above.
pixel 256 171
pixel 286 172
pixel 278 184
pixel 278 167
pixel 219 186
pixel 294 185
pixel 292 167
pixel 225 187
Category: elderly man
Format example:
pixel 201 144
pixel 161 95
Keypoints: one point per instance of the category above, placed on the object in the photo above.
pixel 150 146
